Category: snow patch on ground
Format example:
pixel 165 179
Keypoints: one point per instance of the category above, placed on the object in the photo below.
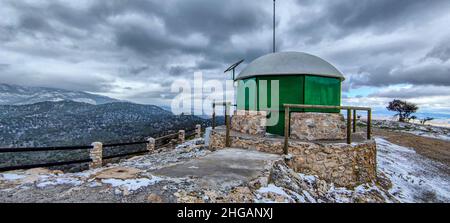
pixel 430 135
pixel 132 184
pixel 270 189
pixel 308 178
pixel 415 178
pixel 12 176
pixel 59 181
pixel 274 189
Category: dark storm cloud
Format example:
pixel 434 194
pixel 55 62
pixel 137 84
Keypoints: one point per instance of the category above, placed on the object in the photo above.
pixel 140 40
pixel 346 16
pixel 215 21
pixel 119 46
pixel 387 62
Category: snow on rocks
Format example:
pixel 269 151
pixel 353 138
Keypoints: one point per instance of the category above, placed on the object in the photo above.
pixel 58 181
pixel 11 176
pixel 287 186
pixel 186 151
pixel 414 177
pixel 271 194
pixel 132 184
pixel 128 177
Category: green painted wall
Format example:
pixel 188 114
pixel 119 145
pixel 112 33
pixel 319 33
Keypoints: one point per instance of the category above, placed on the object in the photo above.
pixel 295 89
pixel 322 91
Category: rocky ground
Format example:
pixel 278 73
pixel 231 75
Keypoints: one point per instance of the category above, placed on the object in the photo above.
pixel 404 175
pixel 428 131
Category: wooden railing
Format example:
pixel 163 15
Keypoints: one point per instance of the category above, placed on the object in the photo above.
pixel 287 109
pixel 227 106
pixel 349 109
pixel 158 142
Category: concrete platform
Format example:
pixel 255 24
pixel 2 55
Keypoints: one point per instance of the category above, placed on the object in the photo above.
pixel 224 168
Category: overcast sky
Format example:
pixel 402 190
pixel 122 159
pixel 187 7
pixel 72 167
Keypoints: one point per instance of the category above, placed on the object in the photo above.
pixel 133 50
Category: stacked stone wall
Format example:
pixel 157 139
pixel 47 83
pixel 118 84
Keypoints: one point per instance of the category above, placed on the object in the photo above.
pixel 249 122
pixel 317 126
pixel 338 163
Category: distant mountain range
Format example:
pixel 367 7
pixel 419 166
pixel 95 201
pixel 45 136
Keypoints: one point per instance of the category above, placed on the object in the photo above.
pixel 21 95
pixel 74 123
pixel 37 116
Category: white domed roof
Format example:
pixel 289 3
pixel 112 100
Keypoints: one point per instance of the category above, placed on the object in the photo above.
pixel 289 63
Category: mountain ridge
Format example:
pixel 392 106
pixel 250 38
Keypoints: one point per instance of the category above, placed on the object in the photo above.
pixel 22 95
pixel 72 123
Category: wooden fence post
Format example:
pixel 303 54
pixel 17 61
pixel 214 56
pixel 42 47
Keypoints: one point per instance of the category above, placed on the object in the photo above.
pixel 369 124
pixel 228 124
pixel 181 136
pixel 354 121
pixel 349 127
pixel 151 145
pixel 286 130
pixel 214 116
pixel 96 155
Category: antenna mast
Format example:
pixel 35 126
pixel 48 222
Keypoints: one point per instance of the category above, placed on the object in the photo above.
pixel 274 26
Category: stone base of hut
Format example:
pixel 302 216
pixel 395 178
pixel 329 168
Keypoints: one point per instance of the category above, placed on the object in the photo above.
pixel 332 160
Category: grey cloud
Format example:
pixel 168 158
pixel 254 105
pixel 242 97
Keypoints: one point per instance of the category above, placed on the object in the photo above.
pixel 339 18
pixel 197 35
pixel 441 51
pixel 179 70
pixel 413 92
pixel 384 62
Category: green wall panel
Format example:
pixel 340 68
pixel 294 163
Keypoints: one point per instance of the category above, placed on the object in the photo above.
pixel 279 128
pixel 295 89
pixel 322 91
pixel 291 90
pixel 246 90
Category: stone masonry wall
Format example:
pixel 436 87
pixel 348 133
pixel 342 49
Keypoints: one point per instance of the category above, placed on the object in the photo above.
pixel 249 122
pixel 342 164
pixel 317 126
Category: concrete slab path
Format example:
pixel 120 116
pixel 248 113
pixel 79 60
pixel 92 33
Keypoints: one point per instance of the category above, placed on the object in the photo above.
pixel 224 168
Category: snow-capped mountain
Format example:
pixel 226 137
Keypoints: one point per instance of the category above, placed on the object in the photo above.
pixel 21 95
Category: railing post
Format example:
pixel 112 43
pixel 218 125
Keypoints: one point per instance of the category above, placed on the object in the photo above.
pixel 181 136
pixel 214 116
pixel 286 130
pixel 96 155
pixel 349 123
pixel 227 123
pixel 198 131
pixel 151 144
pixel 369 124
pixel 354 120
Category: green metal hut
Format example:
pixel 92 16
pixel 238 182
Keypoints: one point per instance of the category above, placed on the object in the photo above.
pixel 303 79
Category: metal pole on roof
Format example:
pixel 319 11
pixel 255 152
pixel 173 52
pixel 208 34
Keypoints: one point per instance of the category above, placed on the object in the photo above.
pixel 274 26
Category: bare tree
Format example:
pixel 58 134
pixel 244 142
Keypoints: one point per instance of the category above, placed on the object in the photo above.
pixel 403 109
pixel 427 119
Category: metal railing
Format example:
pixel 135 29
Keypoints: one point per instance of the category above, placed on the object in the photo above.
pixel 349 109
